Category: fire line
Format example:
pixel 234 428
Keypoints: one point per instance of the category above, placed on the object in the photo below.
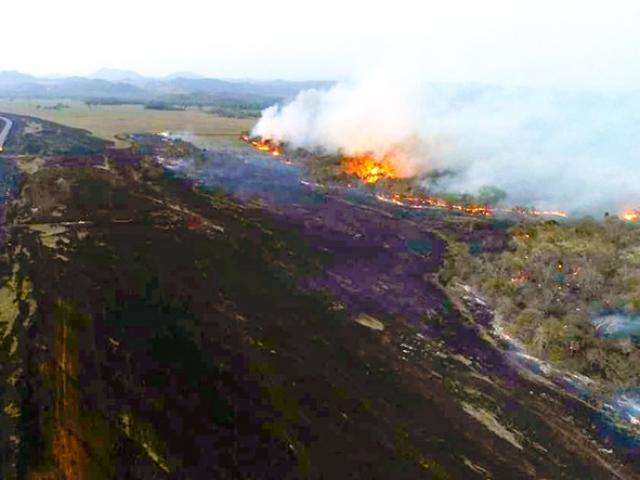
pixel 371 170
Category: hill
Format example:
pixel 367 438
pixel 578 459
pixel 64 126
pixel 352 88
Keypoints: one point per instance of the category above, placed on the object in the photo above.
pixel 127 86
pixel 114 75
pixel 157 329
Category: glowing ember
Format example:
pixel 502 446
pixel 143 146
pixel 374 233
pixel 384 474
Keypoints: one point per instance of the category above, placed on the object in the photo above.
pixel 368 169
pixel 263 145
pixel 632 216
pixel 520 279
pixel 420 202
pixel 424 202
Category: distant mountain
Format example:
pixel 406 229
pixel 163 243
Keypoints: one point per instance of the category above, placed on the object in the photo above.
pixel 115 75
pixel 86 87
pixel 12 78
pixel 125 85
pixel 277 88
pixel 71 87
pixel 190 75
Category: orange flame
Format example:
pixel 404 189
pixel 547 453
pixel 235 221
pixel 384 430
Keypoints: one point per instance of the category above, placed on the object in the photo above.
pixel 368 169
pixel 632 216
pixel 263 145
pixel 424 202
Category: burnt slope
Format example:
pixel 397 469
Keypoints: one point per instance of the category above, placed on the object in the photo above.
pixel 160 332
pixel 34 136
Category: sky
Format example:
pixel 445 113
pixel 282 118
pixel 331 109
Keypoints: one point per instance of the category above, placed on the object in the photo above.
pixel 566 43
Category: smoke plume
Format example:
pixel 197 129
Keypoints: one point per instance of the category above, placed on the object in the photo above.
pixel 578 151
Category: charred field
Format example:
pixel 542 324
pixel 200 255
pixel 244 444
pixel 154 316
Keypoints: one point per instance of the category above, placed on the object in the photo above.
pixel 173 313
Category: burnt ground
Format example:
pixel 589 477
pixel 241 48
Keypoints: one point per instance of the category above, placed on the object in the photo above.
pixel 165 331
pixel 34 136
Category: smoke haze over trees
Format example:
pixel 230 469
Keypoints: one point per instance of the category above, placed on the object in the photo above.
pixel 547 148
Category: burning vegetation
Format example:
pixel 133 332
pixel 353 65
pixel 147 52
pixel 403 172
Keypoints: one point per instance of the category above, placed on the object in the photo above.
pixel 632 215
pixel 421 202
pixel 369 169
pixel 265 145
pixel 366 166
pixel 475 209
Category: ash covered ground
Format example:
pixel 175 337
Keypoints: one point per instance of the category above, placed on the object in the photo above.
pixel 176 313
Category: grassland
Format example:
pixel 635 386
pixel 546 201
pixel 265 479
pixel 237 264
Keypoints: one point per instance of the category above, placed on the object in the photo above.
pixel 109 121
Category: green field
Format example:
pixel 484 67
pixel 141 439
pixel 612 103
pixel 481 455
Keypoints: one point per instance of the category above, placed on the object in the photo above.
pixel 107 121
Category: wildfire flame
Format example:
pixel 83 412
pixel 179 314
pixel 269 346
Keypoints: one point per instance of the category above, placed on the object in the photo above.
pixel 263 145
pixel 424 202
pixel 368 169
pixel 632 216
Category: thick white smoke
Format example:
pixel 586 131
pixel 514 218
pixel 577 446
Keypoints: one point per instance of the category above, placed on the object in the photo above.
pixel 375 115
pixel 549 149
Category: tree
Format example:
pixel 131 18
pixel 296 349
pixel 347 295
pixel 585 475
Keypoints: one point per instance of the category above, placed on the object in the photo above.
pixel 489 195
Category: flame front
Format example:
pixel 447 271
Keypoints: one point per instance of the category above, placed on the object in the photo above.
pixel 632 216
pixel 421 202
pixel 424 202
pixel 263 145
pixel 369 169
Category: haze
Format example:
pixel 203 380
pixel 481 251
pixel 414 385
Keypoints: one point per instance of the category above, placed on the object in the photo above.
pixel 581 44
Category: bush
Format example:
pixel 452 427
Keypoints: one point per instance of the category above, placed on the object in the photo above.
pixel 551 280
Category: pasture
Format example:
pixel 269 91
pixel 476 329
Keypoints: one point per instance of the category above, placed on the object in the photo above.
pixel 110 121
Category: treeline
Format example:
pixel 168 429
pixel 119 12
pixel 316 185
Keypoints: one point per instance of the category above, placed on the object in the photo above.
pixel 248 106
pixel 164 106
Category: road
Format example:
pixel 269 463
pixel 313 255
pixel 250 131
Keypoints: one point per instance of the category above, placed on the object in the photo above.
pixel 4 133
